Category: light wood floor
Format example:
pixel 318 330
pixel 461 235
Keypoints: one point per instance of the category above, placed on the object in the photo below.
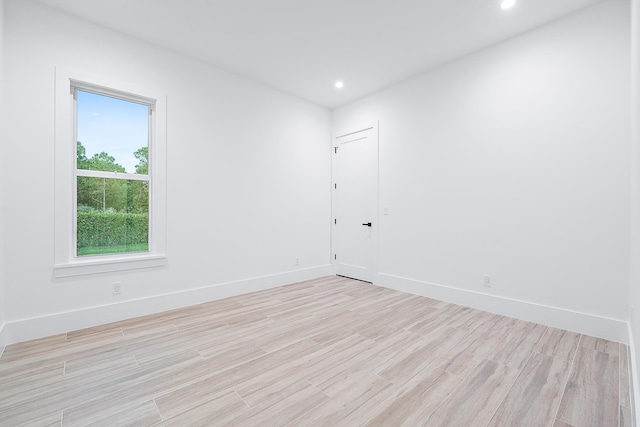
pixel 328 352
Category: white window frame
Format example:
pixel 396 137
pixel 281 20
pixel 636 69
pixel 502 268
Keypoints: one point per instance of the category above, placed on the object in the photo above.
pixel 66 262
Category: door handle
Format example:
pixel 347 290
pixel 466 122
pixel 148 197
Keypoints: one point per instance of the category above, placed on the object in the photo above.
pixel 368 224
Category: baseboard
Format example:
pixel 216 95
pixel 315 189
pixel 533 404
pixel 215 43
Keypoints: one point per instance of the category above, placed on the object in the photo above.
pixel 3 341
pixel 52 324
pixel 588 324
pixel 634 389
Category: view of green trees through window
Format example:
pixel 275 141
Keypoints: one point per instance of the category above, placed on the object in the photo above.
pixel 112 202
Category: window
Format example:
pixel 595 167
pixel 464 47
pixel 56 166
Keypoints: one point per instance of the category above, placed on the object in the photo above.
pixel 112 172
pixel 110 178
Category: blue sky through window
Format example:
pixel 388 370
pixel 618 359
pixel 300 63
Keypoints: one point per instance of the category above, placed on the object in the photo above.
pixel 115 126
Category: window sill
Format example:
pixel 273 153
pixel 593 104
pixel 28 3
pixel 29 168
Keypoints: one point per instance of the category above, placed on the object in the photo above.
pixel 108 265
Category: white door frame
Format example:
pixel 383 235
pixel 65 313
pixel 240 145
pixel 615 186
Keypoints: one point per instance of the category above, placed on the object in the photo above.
pixel 375 231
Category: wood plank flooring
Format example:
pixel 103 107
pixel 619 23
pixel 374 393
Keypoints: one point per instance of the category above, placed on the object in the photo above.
pixel 327 352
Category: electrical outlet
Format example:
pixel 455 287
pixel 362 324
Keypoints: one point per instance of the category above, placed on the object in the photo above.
pixel 487 281
pixel 116 288
pixel 297 261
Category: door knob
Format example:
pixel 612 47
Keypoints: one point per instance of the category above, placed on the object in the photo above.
pixel 368 224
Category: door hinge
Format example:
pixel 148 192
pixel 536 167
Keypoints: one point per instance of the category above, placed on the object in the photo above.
pixel 335 186
pixel 335 150
pixel 335 256
pixel 335 221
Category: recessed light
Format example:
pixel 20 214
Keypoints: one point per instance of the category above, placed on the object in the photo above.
pixel 508 4
pixel 339 84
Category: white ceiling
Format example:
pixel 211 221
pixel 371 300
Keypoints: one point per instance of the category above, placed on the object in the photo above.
pixel 303 46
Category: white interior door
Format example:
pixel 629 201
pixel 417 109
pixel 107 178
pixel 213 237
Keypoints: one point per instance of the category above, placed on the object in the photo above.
pixel 355 196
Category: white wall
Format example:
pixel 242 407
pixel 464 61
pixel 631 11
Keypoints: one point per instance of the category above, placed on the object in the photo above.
pixel 634 295
pixel 513 162
pixel 2 159
pixel 248 178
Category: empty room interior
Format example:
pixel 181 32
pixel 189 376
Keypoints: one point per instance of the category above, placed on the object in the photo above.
pixel 319 212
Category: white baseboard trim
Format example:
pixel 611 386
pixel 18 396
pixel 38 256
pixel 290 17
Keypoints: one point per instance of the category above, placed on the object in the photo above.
pixel 3 340
pixel 634 388
pixel 588 324
pixel 58 323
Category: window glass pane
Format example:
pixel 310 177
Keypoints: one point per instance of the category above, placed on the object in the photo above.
pixel 113 216
pixel 113 134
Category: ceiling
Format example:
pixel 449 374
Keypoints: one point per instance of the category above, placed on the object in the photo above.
pixel 303 46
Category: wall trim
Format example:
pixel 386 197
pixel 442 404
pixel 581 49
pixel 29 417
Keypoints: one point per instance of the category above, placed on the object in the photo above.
pixel 634 388
pixel 3 338
pixel 58 323
pixel 588 324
